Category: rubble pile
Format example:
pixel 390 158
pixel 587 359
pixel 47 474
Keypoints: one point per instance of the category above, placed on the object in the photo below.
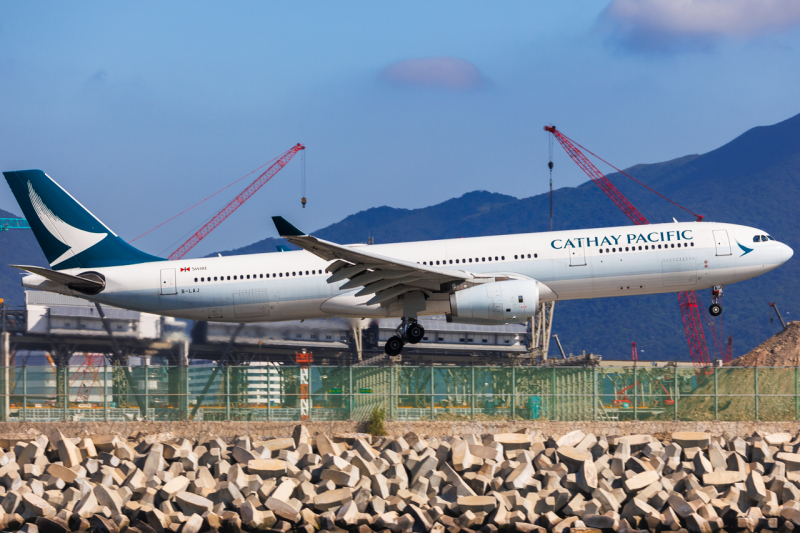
pixel 782 349
pixel 353 482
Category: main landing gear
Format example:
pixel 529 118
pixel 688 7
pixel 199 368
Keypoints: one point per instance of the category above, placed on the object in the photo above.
pixel 409 331
pixel 716 294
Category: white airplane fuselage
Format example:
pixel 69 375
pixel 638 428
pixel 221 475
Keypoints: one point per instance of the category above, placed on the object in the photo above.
pixel 573 264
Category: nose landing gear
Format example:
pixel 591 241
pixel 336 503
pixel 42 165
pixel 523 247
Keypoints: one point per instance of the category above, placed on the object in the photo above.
pixel 715 309
pixel 409 331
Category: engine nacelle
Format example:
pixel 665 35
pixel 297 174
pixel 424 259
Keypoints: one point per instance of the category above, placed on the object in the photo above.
pixel 500 301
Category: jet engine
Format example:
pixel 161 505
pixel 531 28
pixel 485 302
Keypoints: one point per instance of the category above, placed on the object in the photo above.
pixel 497 302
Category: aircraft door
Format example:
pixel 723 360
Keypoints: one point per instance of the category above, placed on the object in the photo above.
pixel 577 256
pixel 168 285
pixel 722 242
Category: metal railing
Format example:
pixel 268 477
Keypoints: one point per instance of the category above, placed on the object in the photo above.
pixel 277 392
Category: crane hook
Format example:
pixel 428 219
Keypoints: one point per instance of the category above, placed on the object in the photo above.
pixel 303 201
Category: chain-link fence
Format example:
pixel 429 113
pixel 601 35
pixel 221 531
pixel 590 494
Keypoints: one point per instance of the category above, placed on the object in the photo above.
pixel 451 393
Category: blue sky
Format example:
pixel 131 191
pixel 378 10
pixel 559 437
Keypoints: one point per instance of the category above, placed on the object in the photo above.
pixel 142 109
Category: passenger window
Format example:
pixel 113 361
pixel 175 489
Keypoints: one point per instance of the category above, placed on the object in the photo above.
pixel 503 257
pixel 626 248
pixel 262 275
pixel 645 247
pixel 490 259
pixel 659 246
pixel 515 257
pixel 470 260
pixel 248 276
pixel 456 261
pixel 483 259
pixel 529 256
pixel 215 278
pixel 280 274
pixel 306 272
pixel 195 280
pixel 692 244
pixel 437 262
pixel 229 278
pixel 234 278
pixel 294 273
pixel 601 250
pixel 673 246
pixel 451 261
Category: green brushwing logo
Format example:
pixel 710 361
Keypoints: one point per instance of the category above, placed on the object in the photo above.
pixel 745 249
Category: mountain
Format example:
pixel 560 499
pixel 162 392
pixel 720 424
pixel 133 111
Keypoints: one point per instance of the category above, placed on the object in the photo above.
pixel 753 180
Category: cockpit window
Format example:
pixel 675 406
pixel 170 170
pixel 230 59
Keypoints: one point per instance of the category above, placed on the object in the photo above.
pixel 757 238
pixel 764 238
pixel 770 238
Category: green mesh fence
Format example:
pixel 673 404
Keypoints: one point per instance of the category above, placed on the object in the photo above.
pixel 445 393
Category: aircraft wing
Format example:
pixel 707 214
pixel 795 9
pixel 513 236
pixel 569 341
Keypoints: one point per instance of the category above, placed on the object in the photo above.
pixel 384 277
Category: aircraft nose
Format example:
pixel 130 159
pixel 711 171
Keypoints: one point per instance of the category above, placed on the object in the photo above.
pixel 786 253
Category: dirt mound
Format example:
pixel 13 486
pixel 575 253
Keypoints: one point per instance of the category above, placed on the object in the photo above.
pixel 782 349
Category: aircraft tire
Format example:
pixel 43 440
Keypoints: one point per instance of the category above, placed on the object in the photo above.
pixel 414 333
pixel 393 346
pixel 715 310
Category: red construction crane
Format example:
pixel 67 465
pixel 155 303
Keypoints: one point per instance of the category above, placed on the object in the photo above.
pixel 692 321
pixel 237 202
pixel 634 352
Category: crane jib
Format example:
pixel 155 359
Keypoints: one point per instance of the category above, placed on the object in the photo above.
pixel 236 202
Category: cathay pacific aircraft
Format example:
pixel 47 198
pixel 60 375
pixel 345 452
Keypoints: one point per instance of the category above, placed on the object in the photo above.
pixel 480 280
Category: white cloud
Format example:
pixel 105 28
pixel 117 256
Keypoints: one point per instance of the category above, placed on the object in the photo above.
pixel 663 23
pixel 443 72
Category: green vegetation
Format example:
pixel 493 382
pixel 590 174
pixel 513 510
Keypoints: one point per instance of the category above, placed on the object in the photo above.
pixel 375 423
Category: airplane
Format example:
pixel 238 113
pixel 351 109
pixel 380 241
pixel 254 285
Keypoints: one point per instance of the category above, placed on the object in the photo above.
pixel 481 280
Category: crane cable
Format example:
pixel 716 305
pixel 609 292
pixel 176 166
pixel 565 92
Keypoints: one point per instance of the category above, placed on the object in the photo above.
pixel 208 198
pixel 550 166
pixel 303 178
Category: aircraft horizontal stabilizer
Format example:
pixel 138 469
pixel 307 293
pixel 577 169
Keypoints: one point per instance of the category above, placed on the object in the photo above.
pixel 90 284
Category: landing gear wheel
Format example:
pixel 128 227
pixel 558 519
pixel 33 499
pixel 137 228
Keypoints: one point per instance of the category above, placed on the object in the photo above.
pixel 414 333
pixel 393 346
pixel 715 309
